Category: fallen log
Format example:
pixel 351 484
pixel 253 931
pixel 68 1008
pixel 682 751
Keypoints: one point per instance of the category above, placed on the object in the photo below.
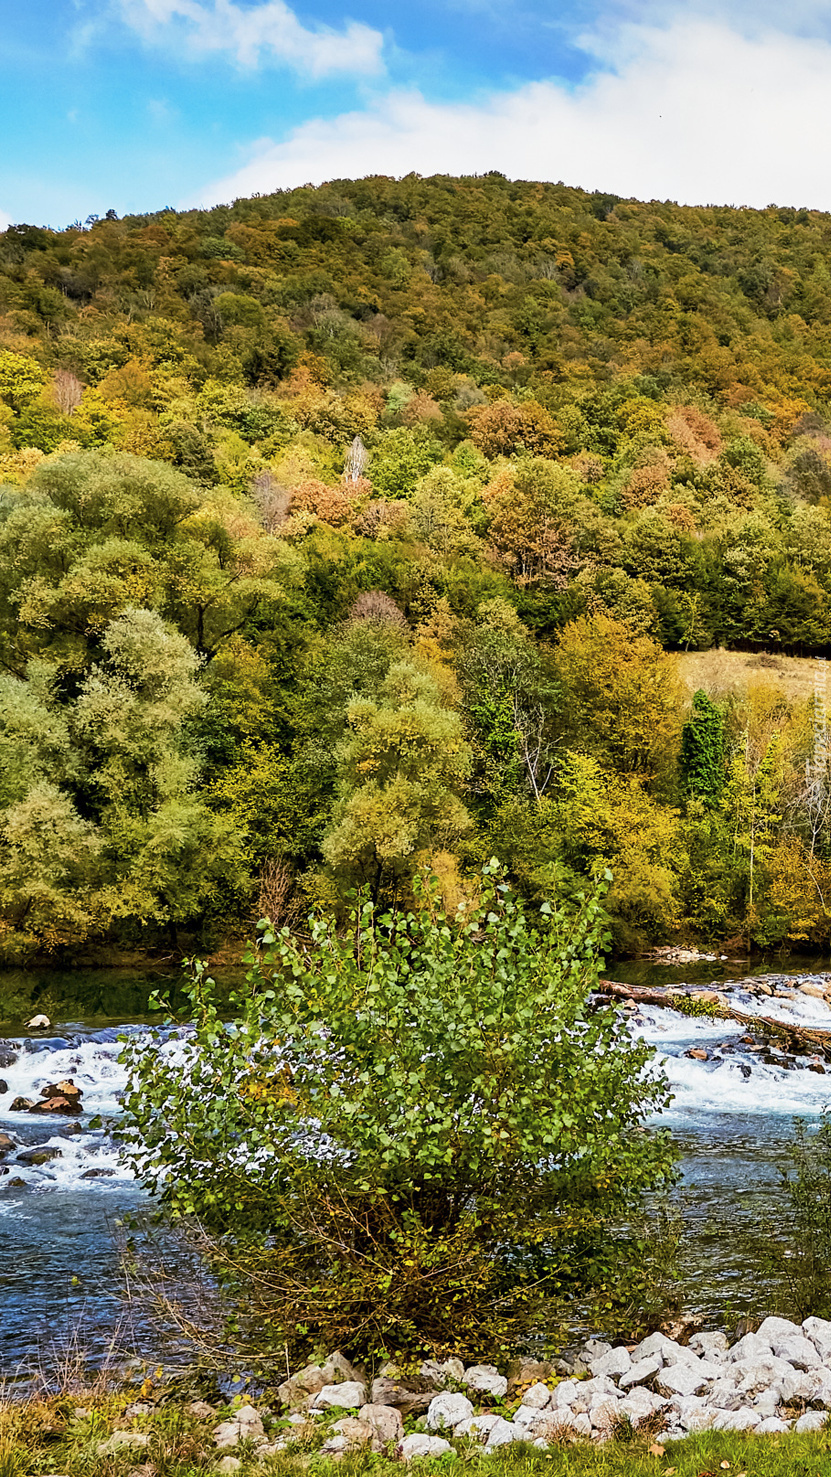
pixel 801 1040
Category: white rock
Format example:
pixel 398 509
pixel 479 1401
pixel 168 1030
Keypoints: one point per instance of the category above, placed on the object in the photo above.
pixel 750 1347
pixel 38 1023
pixel 336 1444
pixel 447 1411
pixel 566 1393
pixel 349 1395
pixel 798 1350
pixel 775 1329
pixel 736 1420
pixel 812 1420
pixel 485 1380
pixel 797 1386
pixel 537 1397
pixel 686 1377
pixel 692 1413
pixel 818 1331
pixel 121 1439
pixel 420 1444
pixel 771 1426
pixel 640 1403
pixel 442 1374
pixel 752 1375
pixel 479 1426
pixel 526 1415
pixel 227 1465
pixel 652 1346
pixel 639 1373
pixel 599 1385
pixel 552 1425
pixel 709 1345
pixel 245 1425
pixel 613 1364
pixel 604 1414
pixel 502 1434
pixel 821 1391
pixel 724 1395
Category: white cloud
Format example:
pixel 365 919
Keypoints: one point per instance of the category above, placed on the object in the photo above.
pixel 5 220
pixel 693 111
pixel 266 32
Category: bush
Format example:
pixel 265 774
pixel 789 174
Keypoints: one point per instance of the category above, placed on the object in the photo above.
pixel 416 1135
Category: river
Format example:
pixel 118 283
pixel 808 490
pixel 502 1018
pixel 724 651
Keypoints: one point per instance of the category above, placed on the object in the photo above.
pixel 60 1284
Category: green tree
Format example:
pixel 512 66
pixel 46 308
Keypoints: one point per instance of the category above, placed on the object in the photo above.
pixel 416 1134
pixel 401 767
pixel 702 751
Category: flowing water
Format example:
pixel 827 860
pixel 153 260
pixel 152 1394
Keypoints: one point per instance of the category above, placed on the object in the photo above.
pixel 731 1115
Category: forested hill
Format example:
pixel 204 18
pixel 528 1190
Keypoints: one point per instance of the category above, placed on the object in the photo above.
pixel 351 530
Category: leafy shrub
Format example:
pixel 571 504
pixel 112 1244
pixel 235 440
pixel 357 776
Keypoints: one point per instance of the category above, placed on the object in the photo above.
pixel 414 1135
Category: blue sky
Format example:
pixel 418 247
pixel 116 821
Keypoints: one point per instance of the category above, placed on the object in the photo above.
pixel 137 104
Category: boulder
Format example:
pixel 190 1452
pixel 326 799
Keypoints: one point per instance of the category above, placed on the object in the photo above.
pixel 442 1374
pixel 448 1410
pixel 724 1395
pixel 66 1088
pixel 751 1347
pixel 639 1404
pixel 38 1156
pixel 503 1433
pixel 228 1464
pixel 566 1394
pixel 818 1330
pixel 484 1379
pixel 201 1409
pixel 613 1364
pixel 245 1425
pixel 691 1412
pixel 63 1105
pixel 297 1389
pixel 736 1420
pixel 640 1373
pixel 6 1143
pixel 38 1023
pixel 772 1425
pixel 533 1371
pixel 603 1415
pixel 685 1377
pixel 752 1375
pixel 711 1346
pixel 120 1439
pixel 420 1444
pixel 349 1395
pixel 387 1391
pixel 798 1351
pixel 653 1347
pixel 778 1328
pixel 479 1426
pixel 812 1420
pixel 21 1105
pixel 385 1424
pixel 537 1397
pixel 351 1430
pixel 553 1425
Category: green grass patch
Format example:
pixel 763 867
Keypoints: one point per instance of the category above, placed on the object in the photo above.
pixel 64 1435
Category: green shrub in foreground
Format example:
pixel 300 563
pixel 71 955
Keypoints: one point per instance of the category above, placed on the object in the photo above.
pixel 415 1134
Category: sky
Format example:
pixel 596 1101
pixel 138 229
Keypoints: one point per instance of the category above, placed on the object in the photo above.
pixel 133 105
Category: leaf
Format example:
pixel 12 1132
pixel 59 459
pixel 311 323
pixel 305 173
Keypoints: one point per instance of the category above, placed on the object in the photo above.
pixel 655 1449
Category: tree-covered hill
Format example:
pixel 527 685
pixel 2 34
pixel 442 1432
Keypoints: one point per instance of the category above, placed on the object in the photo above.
pixel 349 530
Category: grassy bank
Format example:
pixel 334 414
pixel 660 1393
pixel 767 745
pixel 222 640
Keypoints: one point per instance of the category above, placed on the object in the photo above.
pixel 73 1436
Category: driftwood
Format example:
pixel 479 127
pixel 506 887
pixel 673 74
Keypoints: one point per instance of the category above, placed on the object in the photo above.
pixel 802 1040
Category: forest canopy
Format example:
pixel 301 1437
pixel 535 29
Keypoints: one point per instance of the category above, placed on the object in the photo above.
pixel 355 530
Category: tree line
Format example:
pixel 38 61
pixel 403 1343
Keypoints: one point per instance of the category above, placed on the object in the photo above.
pixel 345 531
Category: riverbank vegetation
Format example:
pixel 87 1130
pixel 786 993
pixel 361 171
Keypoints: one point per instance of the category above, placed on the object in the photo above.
pixel 70 1434
pixel 345 531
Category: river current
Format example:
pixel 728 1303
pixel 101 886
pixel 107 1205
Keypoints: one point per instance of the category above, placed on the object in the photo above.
pixel 732 1116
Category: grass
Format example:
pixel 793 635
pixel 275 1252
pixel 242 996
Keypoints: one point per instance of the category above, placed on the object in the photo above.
pixel 720 672
pixel 62 1435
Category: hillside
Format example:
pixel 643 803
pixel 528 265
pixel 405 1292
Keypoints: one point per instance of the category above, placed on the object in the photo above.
pixel 392 524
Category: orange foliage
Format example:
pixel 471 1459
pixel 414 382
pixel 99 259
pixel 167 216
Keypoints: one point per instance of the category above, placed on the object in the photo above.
pixel 694 432
pixel 329 504
pixel 503 428
pixel 420 408
pixel 647 482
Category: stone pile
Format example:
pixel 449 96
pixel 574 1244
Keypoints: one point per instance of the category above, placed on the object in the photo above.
pixel 58 1097
pixel 768 1382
